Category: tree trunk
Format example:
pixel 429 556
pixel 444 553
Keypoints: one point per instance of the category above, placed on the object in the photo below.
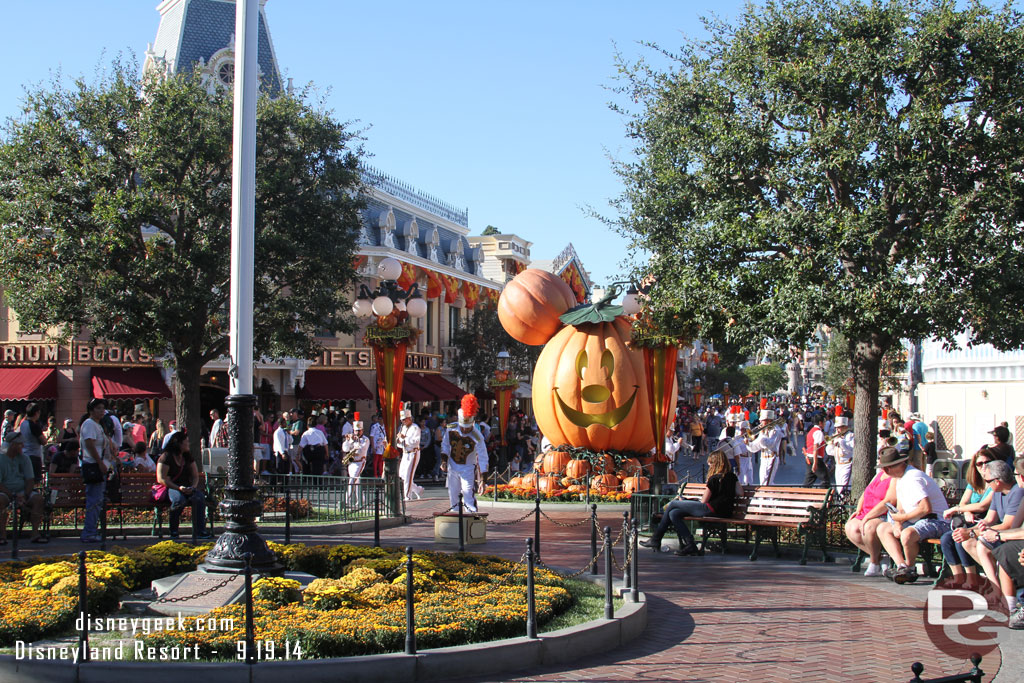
pixel 865 364
pixel 187 404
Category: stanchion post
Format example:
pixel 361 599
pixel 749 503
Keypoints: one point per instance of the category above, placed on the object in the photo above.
pixel 17 529
pixel 250 624
pixel 609 606
pixel 462 531
pixel 633 564
pixel 410 616
pixel 536 521
pixel 588 495
pixel 103 523
pixel 83 609
pixel 531 606
pixel 495 484
pixel 593 539
pixel 626 578
pixel 287 515
pixel 376 516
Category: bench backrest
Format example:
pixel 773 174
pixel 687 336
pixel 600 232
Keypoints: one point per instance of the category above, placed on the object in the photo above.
pixel 67 490
pixel 783 504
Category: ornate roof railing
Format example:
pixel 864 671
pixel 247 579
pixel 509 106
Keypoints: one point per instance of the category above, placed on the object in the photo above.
pixel 406 192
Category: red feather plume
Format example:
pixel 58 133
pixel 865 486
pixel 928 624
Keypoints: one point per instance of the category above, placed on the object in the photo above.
pixel 469 405
pixel 355 416
pixel 764 404
pixel 839 411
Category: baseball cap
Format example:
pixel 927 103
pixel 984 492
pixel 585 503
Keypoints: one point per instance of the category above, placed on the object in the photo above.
pixel 1001 433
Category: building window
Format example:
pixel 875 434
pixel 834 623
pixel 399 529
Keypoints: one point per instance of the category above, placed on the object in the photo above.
pixel 431 315
pixel 453 323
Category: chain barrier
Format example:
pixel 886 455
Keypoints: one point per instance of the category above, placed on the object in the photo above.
pixel 434 514
pixel 564 524
pixel 626 561
pixel 515 521
pixel 580 572
pixel 200 593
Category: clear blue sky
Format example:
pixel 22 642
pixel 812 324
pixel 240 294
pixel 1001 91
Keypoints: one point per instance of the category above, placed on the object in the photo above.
pixel 500 107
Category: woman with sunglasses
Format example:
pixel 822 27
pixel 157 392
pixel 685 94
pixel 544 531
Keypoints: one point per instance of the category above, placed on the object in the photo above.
pixel 973 505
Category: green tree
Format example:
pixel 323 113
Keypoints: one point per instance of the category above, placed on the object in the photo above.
pixel 839 162
pixel 116 198
pixel 478 340
pixel 766 379
pixel 837 371
pixel 712 380
pixel 491 230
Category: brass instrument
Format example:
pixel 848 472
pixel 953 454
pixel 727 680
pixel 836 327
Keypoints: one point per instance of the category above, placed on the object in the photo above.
pixel 760 428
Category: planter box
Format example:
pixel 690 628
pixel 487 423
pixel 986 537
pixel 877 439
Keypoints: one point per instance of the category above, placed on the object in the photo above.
pixel 474 527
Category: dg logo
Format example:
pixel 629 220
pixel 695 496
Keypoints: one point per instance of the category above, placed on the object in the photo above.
pixel 962 618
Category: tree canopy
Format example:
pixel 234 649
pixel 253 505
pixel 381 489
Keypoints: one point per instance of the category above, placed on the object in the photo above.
pixel 766 379
pixel 848 163
pixel 478 340
pixel 115 209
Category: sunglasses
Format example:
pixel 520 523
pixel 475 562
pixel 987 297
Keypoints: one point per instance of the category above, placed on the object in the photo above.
pixel 982 463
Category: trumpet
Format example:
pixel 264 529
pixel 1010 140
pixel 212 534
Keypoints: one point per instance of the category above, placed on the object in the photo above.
pixel 767 425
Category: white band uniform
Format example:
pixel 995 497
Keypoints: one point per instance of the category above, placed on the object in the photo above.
pixel 408 439
pixel 462 476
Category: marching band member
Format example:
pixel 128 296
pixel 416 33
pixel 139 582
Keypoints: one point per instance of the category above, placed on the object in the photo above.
pixel 380 442
pixel 814 453
pixel 741 456
pixel 767 444
pixel 408 439
pixel 354 447
pixel 841 448
pixel 463 454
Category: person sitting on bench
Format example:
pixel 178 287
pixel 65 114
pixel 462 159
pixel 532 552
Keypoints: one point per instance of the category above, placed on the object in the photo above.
pixel 718 500
pixel 16 485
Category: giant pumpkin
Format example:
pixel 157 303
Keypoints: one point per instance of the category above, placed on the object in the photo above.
pixel 531 303
pixel 589 386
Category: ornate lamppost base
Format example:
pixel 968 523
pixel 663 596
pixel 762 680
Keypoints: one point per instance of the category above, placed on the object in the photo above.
pixel 241 506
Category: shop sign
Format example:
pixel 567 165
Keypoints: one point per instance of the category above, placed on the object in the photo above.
pixel 77 353
pixel 362 359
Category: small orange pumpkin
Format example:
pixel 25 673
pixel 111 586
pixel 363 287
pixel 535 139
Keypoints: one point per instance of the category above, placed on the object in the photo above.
pixel 632 466
pixel 555 462
pixel 567 481
pixel 538 463
pixel 577 469
pixel 515 482
pixel 529 481
pixel 530 304
pixel 550 484
pixel 604 484
pixel 636 484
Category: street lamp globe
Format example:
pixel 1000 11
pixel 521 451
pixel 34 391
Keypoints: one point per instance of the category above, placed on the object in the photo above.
pixel 417 308
pixel 504 360
pixel 363 308
pixel 382 306
pixel 389 269
pixel 630 304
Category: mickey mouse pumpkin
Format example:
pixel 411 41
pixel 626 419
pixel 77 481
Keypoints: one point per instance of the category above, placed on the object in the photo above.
pixel 588 386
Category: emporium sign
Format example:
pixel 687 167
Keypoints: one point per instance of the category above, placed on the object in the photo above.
pixel 76 353
pixel 362 359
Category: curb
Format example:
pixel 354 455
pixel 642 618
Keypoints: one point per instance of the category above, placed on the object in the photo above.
pixel 479 659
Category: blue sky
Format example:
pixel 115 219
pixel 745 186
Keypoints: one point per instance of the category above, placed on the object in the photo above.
pixel 500 107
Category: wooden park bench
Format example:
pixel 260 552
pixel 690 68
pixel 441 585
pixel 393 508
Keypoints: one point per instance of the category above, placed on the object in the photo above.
pixel 66 492
pixel 764 510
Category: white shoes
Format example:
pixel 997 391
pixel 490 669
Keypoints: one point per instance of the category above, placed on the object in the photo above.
pixel 873 570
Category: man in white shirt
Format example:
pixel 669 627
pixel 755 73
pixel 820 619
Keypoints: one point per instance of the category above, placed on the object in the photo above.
pixel 918 516
pixel 355 447
pixel 283 445
pixel 408 441
pixel 313 446
pixel 167 437
pixel 841 448
pixel 767 444
pixel 97 451
pixel 464 455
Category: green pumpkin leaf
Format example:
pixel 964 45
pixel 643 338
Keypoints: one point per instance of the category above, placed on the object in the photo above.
pixel 591 313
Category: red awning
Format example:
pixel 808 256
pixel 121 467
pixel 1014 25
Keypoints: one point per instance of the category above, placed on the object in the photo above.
pixel 442 389
pixel 28 384
pixel 331 385
pixel 415 388
pixel 133 383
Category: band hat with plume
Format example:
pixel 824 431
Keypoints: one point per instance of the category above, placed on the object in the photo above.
pixel 404 413
pixel 356 422
pixel 468 410
pixel 766 412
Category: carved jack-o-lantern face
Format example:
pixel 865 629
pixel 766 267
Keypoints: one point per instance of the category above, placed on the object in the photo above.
pixel 596 393
pixel 588 389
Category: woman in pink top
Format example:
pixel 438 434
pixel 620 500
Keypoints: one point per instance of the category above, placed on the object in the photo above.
pixel 862 526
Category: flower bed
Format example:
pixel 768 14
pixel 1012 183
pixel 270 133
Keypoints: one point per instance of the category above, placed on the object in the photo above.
pixel 508 492
pixel 357 606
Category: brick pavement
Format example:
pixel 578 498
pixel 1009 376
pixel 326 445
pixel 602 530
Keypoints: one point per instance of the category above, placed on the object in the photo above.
pixel 717 618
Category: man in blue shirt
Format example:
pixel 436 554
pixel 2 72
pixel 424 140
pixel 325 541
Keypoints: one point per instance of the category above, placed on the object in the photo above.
pixel 16 483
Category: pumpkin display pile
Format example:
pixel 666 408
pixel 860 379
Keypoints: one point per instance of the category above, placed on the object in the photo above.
pixel 589 389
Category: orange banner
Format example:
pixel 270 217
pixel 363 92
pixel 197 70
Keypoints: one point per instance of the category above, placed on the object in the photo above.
pixel 408 276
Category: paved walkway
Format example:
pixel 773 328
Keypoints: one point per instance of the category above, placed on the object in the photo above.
pixel 723 618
